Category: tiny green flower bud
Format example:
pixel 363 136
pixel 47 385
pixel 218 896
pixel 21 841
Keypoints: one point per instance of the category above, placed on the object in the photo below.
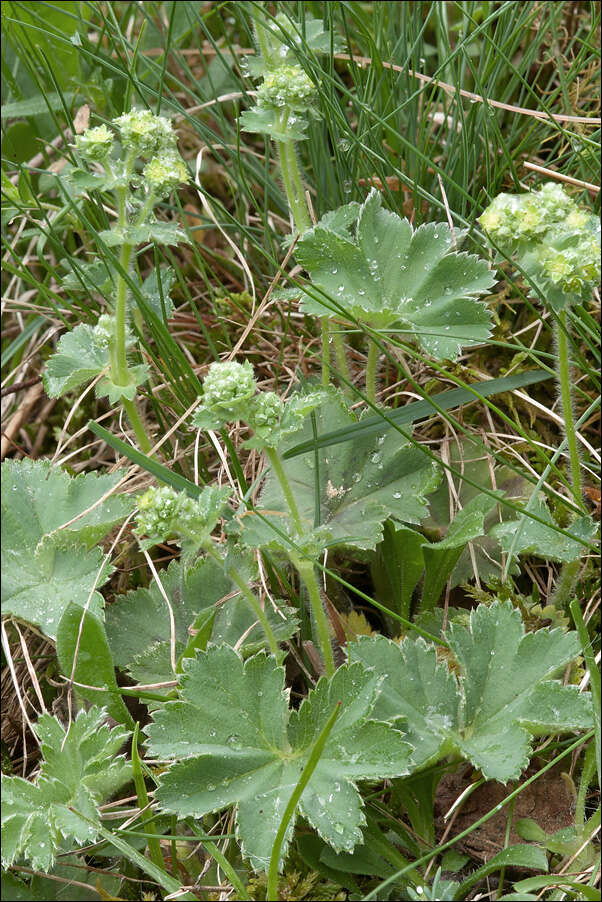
pixel 268 410
pixel 287 86
pixel 164 173
pixel 144 133
pixel 95 143
pixel 165 514
pixel 228 392
pixel 228 385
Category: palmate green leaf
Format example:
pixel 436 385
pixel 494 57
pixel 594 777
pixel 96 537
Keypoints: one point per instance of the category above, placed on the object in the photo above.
pixel 44 567
pixel 138 623
pixel 159 232
pixel 78 358
pixel 392 276
pixel 263 121
pixel 536 538
pixel 79 771
pixel 505 694
pixel 361 485
pixel 243 746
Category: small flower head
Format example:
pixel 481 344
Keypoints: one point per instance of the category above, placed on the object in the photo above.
pixel 228 386
pixel 511 219
pixel 165 514
pixel 95 143
pixel 164 173
pixel 145 134
pixel 287 86
pixel 573 268
pixel 268 410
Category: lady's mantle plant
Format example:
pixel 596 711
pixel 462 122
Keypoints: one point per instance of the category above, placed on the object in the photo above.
pixel 141 170
pixel 557 244
pixel 351 499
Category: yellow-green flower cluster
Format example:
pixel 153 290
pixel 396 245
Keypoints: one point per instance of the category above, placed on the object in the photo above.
pixel 558 242
pixel 166 514
pixel 513 218
pixel 95 143
pixel 287 86
pixel 145 134
pixel 164 173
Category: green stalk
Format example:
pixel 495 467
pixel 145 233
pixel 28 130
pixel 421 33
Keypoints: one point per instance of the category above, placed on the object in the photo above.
pixel 341 357
pixel 248 595
pixel 154 847
pixel 568 574
pixel 325 334
pixel 305 567
pixel 276 464
pixel 371 368
pixel 312 762
pixel 308 575
pixel 120 373
pixel 137 425
pixel 564 378
pixel 291 178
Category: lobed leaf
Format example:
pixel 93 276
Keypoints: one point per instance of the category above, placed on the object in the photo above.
pixel 505 693
pixel 358 488
pixel 78 358
pixel 389 275
pixel 46 565
pixel 80 770
pixel 242 746
pixel 527 536
pixel 138 623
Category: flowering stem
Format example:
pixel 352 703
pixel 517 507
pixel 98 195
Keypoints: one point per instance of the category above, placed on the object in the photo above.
pixel 282 478
pixel 293 187
pixel 371 367
pixel 137 425
pixel 564 372
pixel 341 355
pixel 308 575
pixel 248 596
pixel 305 567
pixel 325 333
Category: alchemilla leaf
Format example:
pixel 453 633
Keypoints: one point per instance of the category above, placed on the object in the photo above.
pixel 78 773
pixel 528 536
pixel 505 694
pixel 392 276
pixel 361 484
pixel 45 563
pixel 79 357
pixel 138 623
pixel 236 742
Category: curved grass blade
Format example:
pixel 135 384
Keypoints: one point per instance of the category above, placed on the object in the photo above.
pixel 419 410
pixel 147 463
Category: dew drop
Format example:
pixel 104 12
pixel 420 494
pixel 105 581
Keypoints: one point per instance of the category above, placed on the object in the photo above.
pixel 339 828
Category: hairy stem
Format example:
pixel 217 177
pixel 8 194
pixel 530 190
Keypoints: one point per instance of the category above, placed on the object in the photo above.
pixel 276 464
pixel 308 575
pixel 293 186
pixel 371 368
pixel 248 596
pixel 568 574
pixel 325 334
pixel 137 425
pixel 564 376
pixel 565 584
pixel 121 375
pixel 341 355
